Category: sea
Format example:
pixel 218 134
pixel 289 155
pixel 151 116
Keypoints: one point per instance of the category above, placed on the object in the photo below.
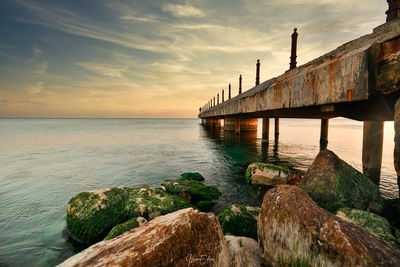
pixel 45 162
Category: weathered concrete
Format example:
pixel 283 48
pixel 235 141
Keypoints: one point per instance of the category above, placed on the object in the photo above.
pixel 265 129
pixel 372 149
pixel 240 125
pixel 323 140
pixel 358 80
pixel 276 129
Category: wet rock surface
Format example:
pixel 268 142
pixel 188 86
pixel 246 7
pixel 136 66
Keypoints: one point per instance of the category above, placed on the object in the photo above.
pixel 294 231
pixel 184 238
pixel 334 184
pixel 243 251
pixel 271 174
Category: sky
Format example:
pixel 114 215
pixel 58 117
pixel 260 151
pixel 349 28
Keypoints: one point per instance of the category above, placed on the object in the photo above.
pixel 160 59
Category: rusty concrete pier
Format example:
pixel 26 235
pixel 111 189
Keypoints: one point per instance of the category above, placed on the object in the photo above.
pixel 359 80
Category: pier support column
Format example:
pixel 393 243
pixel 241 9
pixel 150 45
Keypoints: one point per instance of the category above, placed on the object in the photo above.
pixel 265 129
pixel 276 128
pixel 323 140
pixel 397 141
pixel 247 125
pixel 237 126
pixel 216 123
pixel 229 124
pixel 372 149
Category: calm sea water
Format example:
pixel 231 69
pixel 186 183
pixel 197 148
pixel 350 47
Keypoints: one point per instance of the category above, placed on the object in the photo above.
pixel 45 162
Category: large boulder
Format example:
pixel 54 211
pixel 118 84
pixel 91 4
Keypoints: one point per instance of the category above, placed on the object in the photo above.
pixel 334 184
pixel 239 220
pixel 243 251
pixel 184 238
pixel 125 227
pixel 271 174
pixel 91 215
pixel 371 222
pixel 191 190
pixel 294 231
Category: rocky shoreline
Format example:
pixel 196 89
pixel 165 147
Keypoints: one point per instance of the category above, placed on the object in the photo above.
pixel 331 216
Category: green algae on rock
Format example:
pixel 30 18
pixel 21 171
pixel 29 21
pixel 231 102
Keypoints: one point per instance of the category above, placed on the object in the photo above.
pixel 239 220
pixel 271 174
pixel 124 227
pixel 191 190
pixel 205 205
pixel 195 176
pixel 92 214
pixel 334 184
pixel 371 222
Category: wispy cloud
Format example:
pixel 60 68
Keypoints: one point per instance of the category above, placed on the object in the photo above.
pixel 183 10
pixel 115 71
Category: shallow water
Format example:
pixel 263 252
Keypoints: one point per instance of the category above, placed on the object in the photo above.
pixel 45 162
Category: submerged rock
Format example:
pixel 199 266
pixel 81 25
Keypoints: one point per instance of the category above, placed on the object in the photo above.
pixel 334 184
pixel 270 174
pixel 371 222
pixel 294 231
pixel 239 220
pixel 184 238
pixel 195 176
pixel 125 227
pixel 91 215
pixel 191 190
pixel 243 251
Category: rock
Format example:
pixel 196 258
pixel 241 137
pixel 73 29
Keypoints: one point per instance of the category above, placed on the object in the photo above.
pixel 239 220
pixel 270 174
pixel 91 215
pixel 195 176
pixel 184 238
pixel 334 184
pixel 392 211
pixel 191 190
pixel 294 231
pixel 125 227
pixel 371 222
pixel 205 205
pixel 243 251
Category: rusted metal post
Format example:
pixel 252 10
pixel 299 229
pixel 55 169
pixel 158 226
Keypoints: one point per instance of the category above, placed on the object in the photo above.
pixel 393 11
pixel 240 84
pixel 276 128
pixel 372 149
pixel 265 129
pixel 258 72
pixel 229 91
pixel 237 126
pixel 323 140
pixel 218 99
pixel 222 95
pixel 293 55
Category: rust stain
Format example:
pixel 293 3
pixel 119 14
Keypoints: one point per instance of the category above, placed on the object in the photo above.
pixel 381 54
pixel 277 93
pixel 349 94
pixel 332 71
pixel 311 84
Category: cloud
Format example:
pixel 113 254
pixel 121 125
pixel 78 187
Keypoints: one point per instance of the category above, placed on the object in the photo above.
pixel 35 88
pixel 183 10
pixel 136 18
pixel 37 52
pixel 41 68
pixel 115 71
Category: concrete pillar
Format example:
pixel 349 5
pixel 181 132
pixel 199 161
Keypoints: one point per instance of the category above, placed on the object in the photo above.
pixel 216 123
pixel 276 128
pixel 240 84
pixel 237 126
pixel 229 124
pixel 397 141
pixel 247 125
pixel 372 149
pixel 323 140
pixel 258 72
pixel 265 129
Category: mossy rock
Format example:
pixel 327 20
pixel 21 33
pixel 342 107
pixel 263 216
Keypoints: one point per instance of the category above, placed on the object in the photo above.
pixel 195 176
pixel 334 184
pixel 91 215
pixel 239 220
pixel 271 174
pixel 192 191
pixel 125 227
pixel 371 222
pixel 392 211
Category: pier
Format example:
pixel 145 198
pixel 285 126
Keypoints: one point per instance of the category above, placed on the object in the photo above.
pixel 359 80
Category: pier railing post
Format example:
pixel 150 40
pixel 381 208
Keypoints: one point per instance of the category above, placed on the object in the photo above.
pixel 265 129
pixel 372 149
pixel 393 11
pixel 229 91
pixel 240 84
pixel 214 101
pixel 218 99
pixel 293 55
pixel 223 96
pixel 258 72
pixel 323 140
